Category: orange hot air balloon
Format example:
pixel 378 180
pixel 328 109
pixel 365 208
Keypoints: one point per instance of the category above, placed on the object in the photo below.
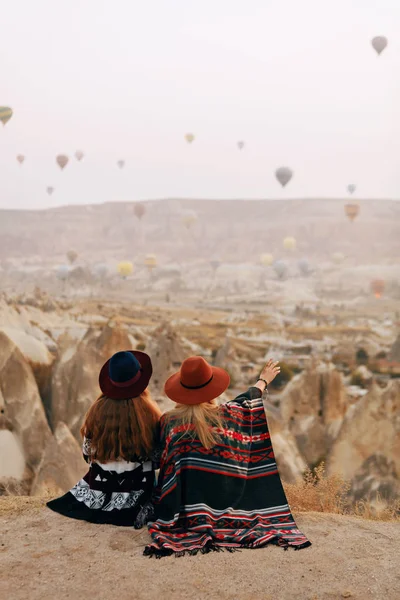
pixel 378 287
pixel 139 210
pixel 62 160
pixel 351 210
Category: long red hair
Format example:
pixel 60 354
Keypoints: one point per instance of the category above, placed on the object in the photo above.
pixel 125 429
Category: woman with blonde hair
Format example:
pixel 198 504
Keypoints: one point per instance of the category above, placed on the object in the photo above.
pixel 219 485
pixel 120 434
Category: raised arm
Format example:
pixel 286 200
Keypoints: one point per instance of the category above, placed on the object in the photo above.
pixel 268 374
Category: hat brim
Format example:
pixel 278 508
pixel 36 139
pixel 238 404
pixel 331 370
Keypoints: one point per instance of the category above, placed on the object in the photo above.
pixel 178 393
pixel 115 392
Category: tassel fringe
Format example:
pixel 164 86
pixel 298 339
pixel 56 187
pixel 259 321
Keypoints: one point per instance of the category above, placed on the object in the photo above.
pixel 150 551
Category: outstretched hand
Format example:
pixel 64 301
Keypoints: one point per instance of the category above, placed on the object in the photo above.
pixel 270 371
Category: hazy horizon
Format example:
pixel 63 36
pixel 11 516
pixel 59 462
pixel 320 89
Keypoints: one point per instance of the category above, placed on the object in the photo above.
pixel 298 82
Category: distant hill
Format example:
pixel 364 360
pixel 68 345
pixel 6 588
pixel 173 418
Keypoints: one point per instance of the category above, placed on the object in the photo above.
pixel 236 230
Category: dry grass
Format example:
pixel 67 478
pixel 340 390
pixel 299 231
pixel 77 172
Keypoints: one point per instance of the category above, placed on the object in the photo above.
pixel 18 505
pixel 321 493
pixel 316 492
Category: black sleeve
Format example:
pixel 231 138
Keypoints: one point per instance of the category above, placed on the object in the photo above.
pixel 251 394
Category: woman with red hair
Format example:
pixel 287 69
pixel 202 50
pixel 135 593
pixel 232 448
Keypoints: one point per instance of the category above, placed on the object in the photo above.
pixel 120 434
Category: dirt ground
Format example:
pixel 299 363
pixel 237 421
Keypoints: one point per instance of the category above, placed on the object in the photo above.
pixel 44 556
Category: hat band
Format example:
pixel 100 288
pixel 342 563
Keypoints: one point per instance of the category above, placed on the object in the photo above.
pixel 197 387
pixel 123 384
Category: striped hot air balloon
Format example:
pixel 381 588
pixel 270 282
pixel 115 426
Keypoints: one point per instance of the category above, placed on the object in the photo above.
pixel 150 261
pixel 352 210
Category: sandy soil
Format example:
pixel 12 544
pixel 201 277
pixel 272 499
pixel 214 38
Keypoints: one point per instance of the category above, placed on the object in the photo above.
pixel 44 556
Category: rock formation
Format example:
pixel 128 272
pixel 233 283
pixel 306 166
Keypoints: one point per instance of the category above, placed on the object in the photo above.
pixel 75 375
pixel 167 353
pixel 35 353
pixel 313 406
pixel 290 463
pixel 367 449
pixel 62 464
pixel 22 414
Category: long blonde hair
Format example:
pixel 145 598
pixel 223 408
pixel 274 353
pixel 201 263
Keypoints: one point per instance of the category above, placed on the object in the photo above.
pixel 199 420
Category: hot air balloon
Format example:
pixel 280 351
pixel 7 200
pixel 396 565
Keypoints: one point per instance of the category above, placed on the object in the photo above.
pixel 338 257
pixel 62 272
pixel 189 219
pixel 378 287
pixel 283 175
pixel 351 188
pixel 62 160
pixel 379 43
pixel 139 210
pixel 5 114
pixel 72 255
pixel 266 260
pixel 79 155
pixel 20 158
pixel 100 270
pixel 125 268
pixel 289 243
pixel 214 264
pixel 304 266
pixel 150 261
pixel 189 137
pixel 280 268
pixel 121 164
pixel 49 190
pixel 240 145
pixel 351 210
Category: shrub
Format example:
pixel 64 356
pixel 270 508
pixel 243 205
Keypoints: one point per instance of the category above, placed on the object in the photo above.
pixel 362 357
pixel 284 376
pixel 357 379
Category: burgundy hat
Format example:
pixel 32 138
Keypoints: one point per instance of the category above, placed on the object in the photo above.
pixel 196 382
pixel 125 375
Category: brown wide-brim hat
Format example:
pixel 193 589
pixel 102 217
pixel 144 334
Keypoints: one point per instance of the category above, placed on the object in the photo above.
pixel 196 382
pixel 125 375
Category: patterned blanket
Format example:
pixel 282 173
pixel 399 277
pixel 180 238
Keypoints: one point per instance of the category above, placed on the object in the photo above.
pixel 229 497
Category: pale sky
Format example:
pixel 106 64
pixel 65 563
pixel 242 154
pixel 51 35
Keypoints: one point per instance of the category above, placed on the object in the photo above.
pixel 297 80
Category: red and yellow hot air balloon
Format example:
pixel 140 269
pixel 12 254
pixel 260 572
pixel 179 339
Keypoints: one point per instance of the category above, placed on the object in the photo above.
pixel 150 261
pixel 378 287
pixel 351 210
pixel 139 210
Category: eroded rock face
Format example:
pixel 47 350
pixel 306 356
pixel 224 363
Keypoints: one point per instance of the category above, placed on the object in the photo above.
pixel 35 353
pixel 62 464
pixel 367 449
pixel 75 375
pixel 167 354
pixel 291 464
pixel 313 406
pixel 22 413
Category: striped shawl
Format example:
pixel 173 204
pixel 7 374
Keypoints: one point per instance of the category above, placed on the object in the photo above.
pixel 229 497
